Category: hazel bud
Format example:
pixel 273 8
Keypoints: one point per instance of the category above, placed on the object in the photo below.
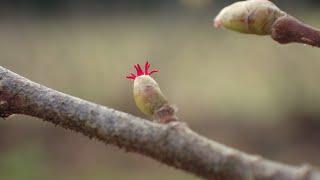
pixel 250 17
pixel 148 95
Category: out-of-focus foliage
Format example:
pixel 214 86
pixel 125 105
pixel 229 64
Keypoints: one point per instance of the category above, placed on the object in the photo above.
pixel 58 6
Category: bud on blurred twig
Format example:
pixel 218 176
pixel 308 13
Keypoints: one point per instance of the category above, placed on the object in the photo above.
pixel 148 96
pixel 252 16
pixel 262 17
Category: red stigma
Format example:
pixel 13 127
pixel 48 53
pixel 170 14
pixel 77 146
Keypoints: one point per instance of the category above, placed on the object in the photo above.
pixel 140 71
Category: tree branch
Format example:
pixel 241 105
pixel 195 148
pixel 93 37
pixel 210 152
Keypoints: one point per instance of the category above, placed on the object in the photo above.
pixel 173 144
pixel 288 29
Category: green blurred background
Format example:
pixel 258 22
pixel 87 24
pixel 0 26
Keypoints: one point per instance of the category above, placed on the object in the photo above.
pixel 245 91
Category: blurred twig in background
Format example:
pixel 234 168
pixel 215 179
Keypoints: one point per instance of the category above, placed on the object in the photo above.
pixel 265 18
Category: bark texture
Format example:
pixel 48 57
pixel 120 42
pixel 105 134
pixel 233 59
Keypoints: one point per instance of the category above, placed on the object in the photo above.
pixel 173 144
pixel 288 29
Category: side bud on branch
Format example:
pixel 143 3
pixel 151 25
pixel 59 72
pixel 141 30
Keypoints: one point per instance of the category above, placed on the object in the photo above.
pixel 262 17
pixel 148 96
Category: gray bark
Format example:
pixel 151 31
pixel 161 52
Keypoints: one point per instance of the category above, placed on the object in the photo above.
pixel 173 144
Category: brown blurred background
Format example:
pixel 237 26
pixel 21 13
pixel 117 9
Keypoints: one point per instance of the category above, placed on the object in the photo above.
pixel 245 91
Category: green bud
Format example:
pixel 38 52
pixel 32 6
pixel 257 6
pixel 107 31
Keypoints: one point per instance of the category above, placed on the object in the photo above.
pixel 147 95
pixel 250 17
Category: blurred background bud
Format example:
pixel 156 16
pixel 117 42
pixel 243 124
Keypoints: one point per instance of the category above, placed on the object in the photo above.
pixel 196 4
pixel 251 16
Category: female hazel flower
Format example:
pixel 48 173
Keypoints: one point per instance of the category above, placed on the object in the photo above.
pixel 148 96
